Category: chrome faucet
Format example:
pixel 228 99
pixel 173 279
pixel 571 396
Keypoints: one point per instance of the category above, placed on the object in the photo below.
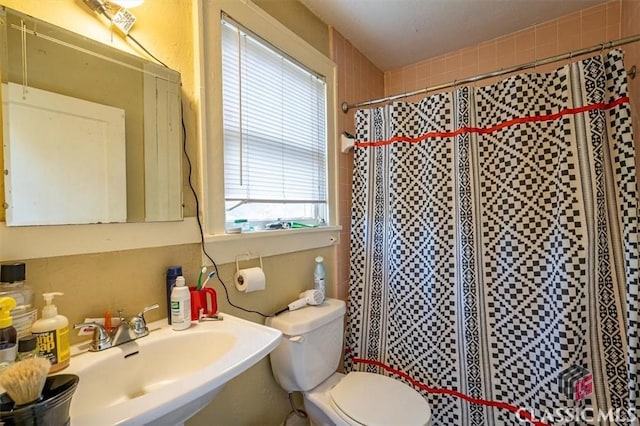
pixel 129 329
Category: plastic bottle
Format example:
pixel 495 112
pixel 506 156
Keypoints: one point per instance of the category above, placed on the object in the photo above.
pixel 173 272
pixel 180 305
pixel 8 334
pixel 12 277
pixel 52 332
pixel 12 284
pixel 319 275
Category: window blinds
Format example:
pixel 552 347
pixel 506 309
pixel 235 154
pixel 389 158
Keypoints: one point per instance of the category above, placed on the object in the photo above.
pixel 274 116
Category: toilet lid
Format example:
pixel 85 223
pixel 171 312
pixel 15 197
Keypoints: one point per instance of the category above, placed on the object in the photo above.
pixel 373 399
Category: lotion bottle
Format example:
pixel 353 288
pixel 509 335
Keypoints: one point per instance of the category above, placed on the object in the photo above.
pixel 52 332
pixel 180 305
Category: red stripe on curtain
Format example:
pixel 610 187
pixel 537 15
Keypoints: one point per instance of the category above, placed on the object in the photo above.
pixel 498 404
pixel 481 130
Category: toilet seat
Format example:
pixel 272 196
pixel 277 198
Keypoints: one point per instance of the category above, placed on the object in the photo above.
pixel 376 400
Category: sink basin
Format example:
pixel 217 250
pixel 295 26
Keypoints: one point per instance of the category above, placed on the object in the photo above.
pixel 167 376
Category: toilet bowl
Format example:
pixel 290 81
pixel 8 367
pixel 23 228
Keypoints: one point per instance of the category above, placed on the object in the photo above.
pixel 364 403
pixel 307 358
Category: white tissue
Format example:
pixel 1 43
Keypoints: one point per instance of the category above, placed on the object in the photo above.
pixel 250 279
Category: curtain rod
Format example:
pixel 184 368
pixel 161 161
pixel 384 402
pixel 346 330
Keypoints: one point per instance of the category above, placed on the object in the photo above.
pixel 532 64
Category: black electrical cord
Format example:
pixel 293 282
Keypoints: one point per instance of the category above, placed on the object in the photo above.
pixel 294 410
pixel 100 7
pixel 195 194
pixel 281 311
pixel 146 51
pixel 202 241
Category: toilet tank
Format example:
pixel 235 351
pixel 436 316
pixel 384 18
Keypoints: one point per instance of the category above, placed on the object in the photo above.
pixel 311 345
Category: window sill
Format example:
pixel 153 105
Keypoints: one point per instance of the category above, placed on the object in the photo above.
pixel 225 247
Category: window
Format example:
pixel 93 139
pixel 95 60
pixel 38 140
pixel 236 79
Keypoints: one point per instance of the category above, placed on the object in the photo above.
pixel 275 134
pixel 250 20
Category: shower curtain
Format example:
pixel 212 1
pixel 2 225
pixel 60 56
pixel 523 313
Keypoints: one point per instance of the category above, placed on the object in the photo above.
pixel 494 249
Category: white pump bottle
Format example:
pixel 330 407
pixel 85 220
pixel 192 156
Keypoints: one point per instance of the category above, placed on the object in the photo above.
pixel 52 333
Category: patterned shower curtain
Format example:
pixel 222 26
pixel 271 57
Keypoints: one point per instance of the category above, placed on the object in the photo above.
pixel 494 249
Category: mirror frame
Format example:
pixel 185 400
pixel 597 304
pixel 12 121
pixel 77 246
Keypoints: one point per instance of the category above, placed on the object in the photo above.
pixel 156 161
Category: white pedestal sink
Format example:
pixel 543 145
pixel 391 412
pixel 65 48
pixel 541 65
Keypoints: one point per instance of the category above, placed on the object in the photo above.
pixel 167 376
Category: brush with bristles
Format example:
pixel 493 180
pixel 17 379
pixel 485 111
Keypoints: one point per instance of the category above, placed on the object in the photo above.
pixel 24 380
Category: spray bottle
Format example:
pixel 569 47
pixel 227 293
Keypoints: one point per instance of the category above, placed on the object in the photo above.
pixel 319 276
pixel 52 332
pixel 8 334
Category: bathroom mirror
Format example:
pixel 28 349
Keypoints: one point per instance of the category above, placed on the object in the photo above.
pixel 91 134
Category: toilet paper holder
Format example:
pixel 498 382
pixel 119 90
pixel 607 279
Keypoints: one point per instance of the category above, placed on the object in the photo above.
pixel 246 257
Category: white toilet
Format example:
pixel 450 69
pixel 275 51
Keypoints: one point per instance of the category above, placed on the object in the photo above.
pixel 307 358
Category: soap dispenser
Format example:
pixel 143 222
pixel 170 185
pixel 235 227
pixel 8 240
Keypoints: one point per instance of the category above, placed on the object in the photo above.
pixel 52 332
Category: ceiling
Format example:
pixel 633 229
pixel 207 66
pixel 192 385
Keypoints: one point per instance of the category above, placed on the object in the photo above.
pixel 395 33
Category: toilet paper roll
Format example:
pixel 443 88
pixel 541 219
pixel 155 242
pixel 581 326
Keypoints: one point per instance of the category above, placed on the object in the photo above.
pixel 250 279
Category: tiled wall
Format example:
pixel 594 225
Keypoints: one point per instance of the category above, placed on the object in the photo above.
pixel 584 28
pixel 588 27
pixel 358 79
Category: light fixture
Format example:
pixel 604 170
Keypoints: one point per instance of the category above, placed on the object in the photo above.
pixel 122 19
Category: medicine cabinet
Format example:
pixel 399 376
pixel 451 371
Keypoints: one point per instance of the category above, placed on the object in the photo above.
pixel 91 134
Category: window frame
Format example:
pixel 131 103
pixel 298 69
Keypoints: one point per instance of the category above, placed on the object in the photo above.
pixel 252 145
pixel 209 74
